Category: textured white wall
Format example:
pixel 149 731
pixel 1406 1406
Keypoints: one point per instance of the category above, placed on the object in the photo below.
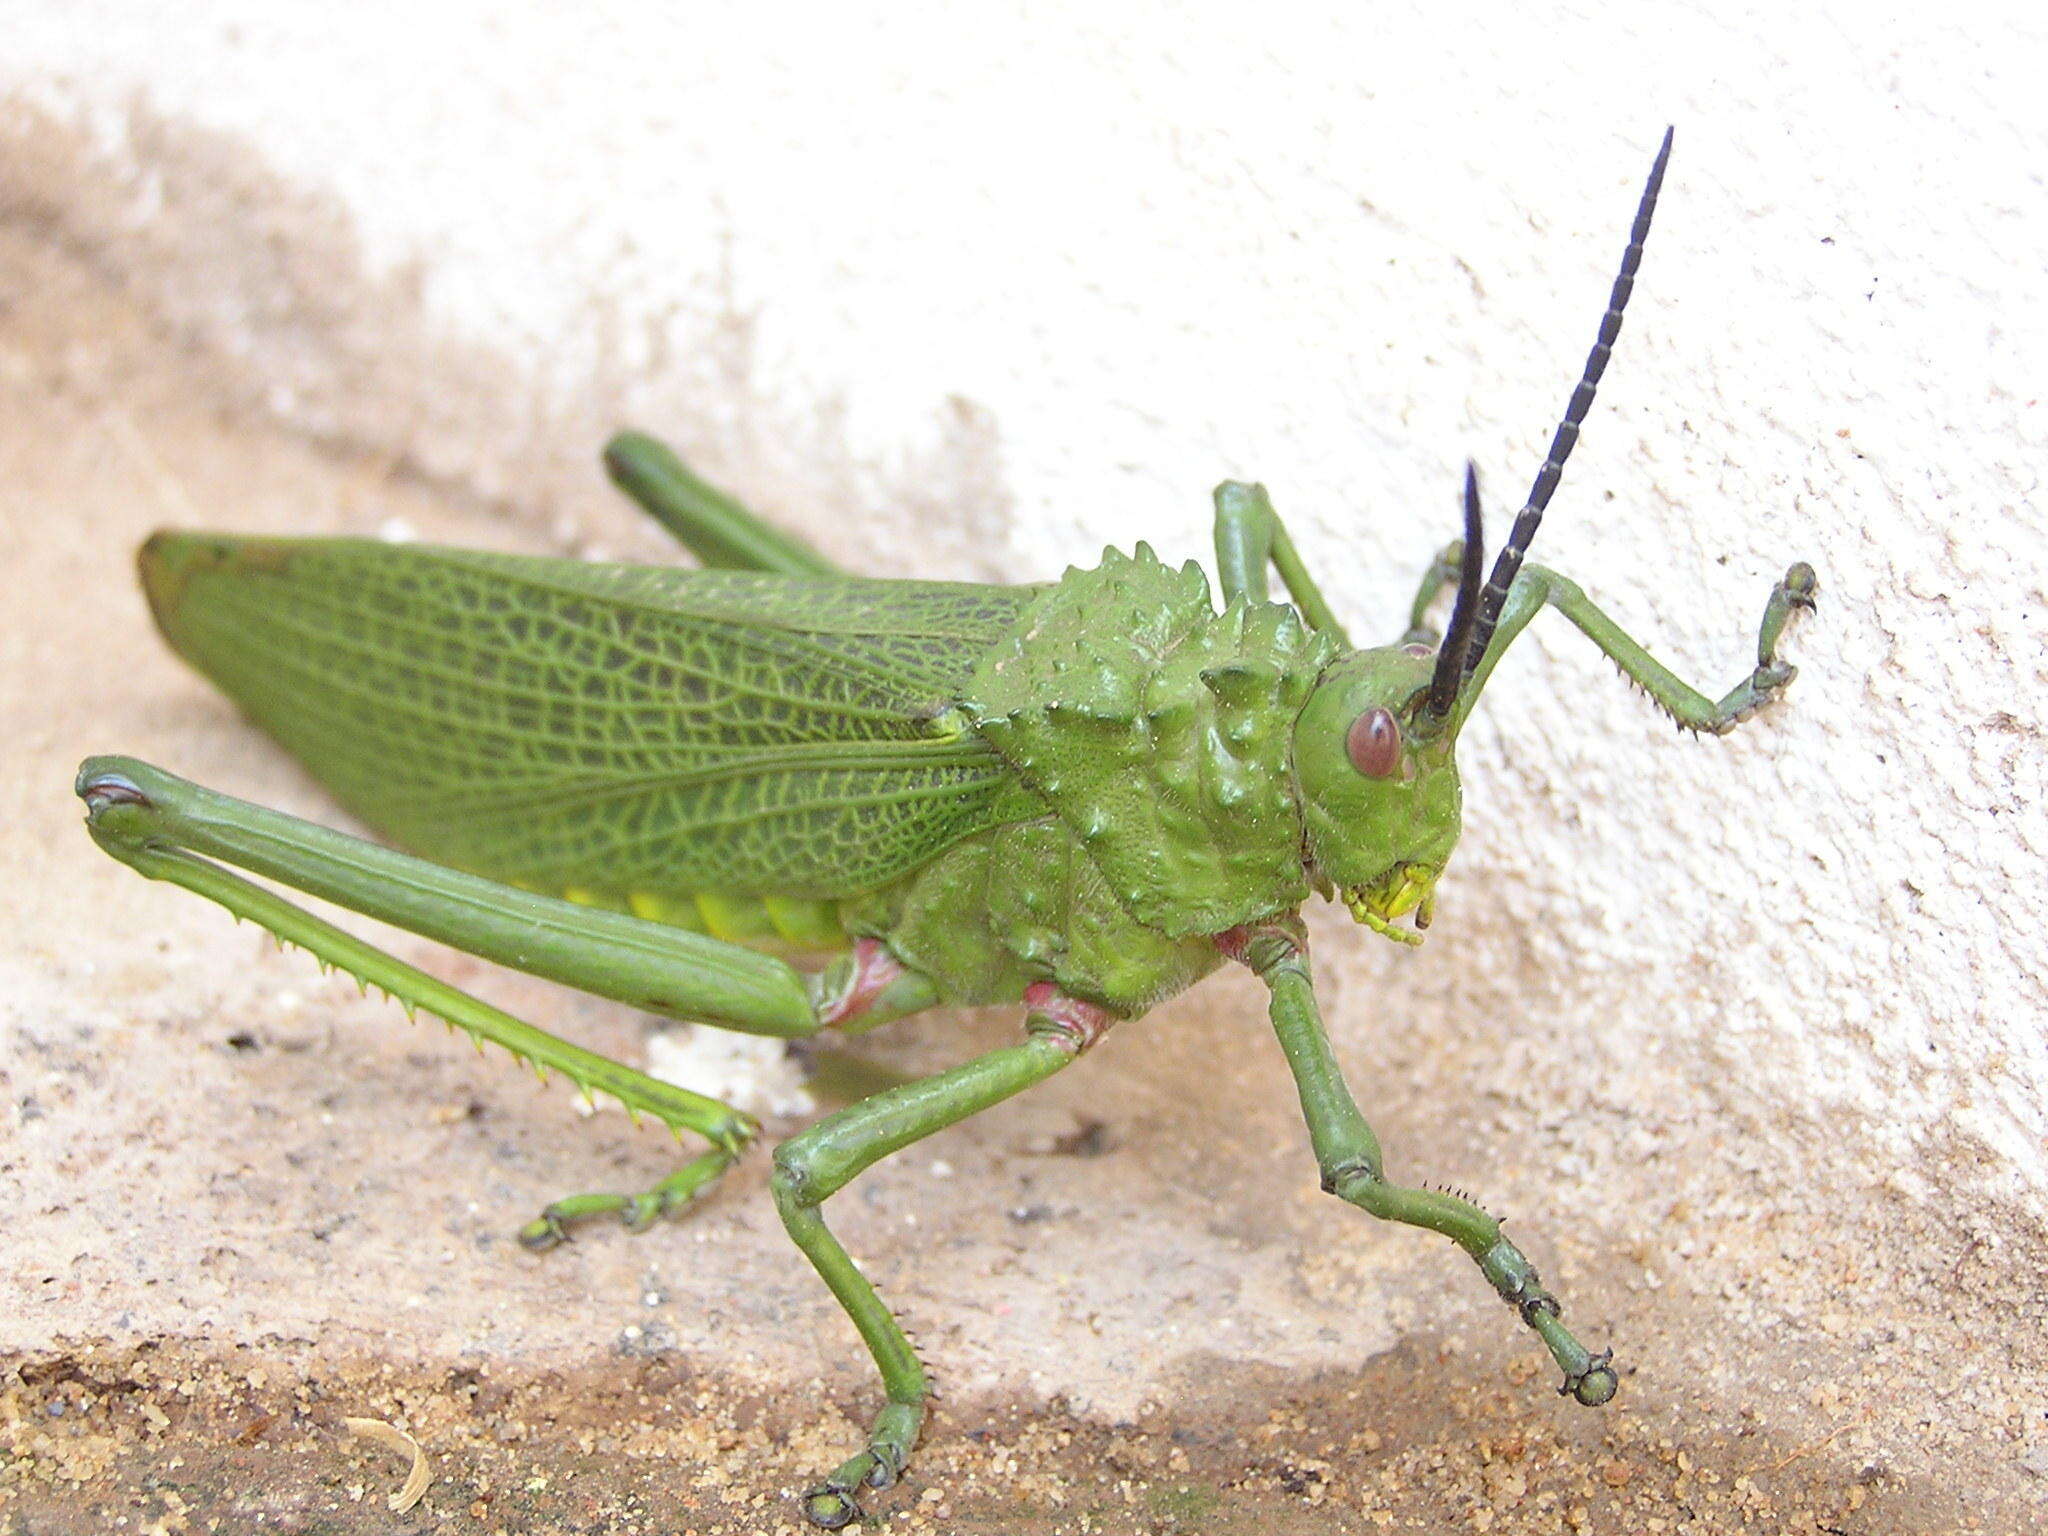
pixel 1087 264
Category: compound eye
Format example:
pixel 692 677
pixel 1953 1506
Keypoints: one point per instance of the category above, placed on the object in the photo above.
pixel 1374 744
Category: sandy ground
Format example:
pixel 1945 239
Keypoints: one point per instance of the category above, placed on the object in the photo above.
pixel 242 1203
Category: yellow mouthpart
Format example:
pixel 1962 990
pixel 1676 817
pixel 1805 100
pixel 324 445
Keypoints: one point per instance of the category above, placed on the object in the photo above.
pixel 1401 890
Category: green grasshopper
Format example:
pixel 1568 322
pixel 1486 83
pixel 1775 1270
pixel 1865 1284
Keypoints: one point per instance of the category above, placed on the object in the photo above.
pixel 653 784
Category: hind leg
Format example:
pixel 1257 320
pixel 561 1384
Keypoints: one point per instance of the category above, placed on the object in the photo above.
pixel 710 524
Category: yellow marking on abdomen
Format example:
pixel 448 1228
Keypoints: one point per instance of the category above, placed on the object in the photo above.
pixel 809 924
pixel 676 911
pixel 760 922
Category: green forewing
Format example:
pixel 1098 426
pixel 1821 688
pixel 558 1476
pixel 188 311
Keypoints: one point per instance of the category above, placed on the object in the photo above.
pixel 566 724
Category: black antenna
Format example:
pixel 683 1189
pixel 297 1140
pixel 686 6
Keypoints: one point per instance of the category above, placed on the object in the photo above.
pixel 1450 656
pixel 1510 561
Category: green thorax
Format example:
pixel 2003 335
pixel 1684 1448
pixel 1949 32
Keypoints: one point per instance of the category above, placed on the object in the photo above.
pixel 1159 731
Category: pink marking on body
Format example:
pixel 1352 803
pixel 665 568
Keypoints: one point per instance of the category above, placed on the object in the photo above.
pixel 873 969
pixel 1236 943
pixel 1083 1023
pixel 1233 941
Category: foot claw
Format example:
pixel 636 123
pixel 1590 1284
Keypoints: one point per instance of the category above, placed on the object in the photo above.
pixel 1596 1384
pixel 1770 681
pixel 542 1233
pixel 642 1212
pixel 831 1504
pixel 830 1508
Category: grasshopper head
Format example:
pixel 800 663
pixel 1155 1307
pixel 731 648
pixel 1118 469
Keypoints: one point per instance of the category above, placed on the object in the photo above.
pixel 1372 755
pixel 1379 791
pixel 1372 750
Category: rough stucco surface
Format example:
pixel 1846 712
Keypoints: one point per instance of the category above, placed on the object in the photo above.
pixel 1747 1034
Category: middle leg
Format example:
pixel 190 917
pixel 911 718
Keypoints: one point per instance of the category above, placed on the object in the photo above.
pixel 810 1168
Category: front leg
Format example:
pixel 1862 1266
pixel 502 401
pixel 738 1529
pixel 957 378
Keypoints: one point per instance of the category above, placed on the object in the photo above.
pixel 1348 1154
pixel 1441 576
pixel 1535 587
